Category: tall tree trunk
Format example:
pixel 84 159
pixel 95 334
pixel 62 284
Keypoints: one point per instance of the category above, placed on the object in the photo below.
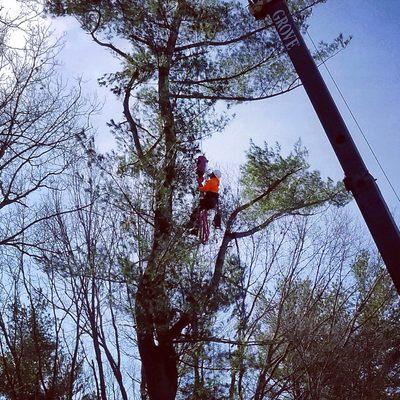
pixel 160 367
pixel 152 308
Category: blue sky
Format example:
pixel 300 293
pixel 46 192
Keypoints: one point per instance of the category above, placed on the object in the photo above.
pixel 367 72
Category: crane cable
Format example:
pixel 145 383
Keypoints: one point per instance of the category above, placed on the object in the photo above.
pixel 356 122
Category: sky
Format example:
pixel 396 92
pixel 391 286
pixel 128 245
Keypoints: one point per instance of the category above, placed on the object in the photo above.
pixel 367 72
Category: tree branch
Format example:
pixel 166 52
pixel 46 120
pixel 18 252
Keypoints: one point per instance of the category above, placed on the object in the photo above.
pixel 226 78
pixel 128 115
pixel 224 42
pixel 202 96
pixel 108 45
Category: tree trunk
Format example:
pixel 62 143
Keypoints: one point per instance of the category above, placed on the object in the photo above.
pixel 160 368
pixel 152 306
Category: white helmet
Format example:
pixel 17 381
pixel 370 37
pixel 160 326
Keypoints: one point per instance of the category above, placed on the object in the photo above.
pixel 217 173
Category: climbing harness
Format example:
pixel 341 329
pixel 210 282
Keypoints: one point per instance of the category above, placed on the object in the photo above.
pixel 203 225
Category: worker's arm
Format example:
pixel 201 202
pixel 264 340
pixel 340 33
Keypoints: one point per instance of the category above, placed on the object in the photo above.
pixel 203 188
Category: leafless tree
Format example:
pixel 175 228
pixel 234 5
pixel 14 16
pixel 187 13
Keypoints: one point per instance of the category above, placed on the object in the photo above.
pixel 85 254
pixel 40 118
pixel 304 304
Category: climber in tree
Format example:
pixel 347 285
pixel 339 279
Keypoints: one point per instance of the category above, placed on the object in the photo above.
pixel 209 200
pixel 211 189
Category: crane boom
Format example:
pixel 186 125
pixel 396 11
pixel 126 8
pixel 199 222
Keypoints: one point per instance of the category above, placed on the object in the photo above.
pixel 357 178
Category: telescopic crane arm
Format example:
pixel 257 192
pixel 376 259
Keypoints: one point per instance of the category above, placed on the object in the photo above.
pixel 357 178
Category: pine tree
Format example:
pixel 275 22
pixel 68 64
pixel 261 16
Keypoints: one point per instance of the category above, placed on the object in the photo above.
pixel 178 59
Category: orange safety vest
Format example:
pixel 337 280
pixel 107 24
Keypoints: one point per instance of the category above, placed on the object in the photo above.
pixel 212 185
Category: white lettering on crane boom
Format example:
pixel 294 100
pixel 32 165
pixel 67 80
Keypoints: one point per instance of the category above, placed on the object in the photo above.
pixel 285 30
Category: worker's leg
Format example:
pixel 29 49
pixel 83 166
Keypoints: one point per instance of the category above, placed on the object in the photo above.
pixel 194 217
pixel 209 201
pixel 217 219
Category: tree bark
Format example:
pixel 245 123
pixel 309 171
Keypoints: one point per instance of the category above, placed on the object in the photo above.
pixel 160 367
pixel 152 308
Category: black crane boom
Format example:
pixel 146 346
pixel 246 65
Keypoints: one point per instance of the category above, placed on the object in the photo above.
pixel 357 178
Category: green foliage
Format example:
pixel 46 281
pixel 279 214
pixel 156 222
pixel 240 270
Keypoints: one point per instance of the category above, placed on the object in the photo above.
pixel 372 282
pixel 220 52
pixel 292 185
pixel 32 364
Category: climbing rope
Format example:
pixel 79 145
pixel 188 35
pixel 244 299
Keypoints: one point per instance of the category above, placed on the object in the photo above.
pixel 204 227
pixel 356 122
